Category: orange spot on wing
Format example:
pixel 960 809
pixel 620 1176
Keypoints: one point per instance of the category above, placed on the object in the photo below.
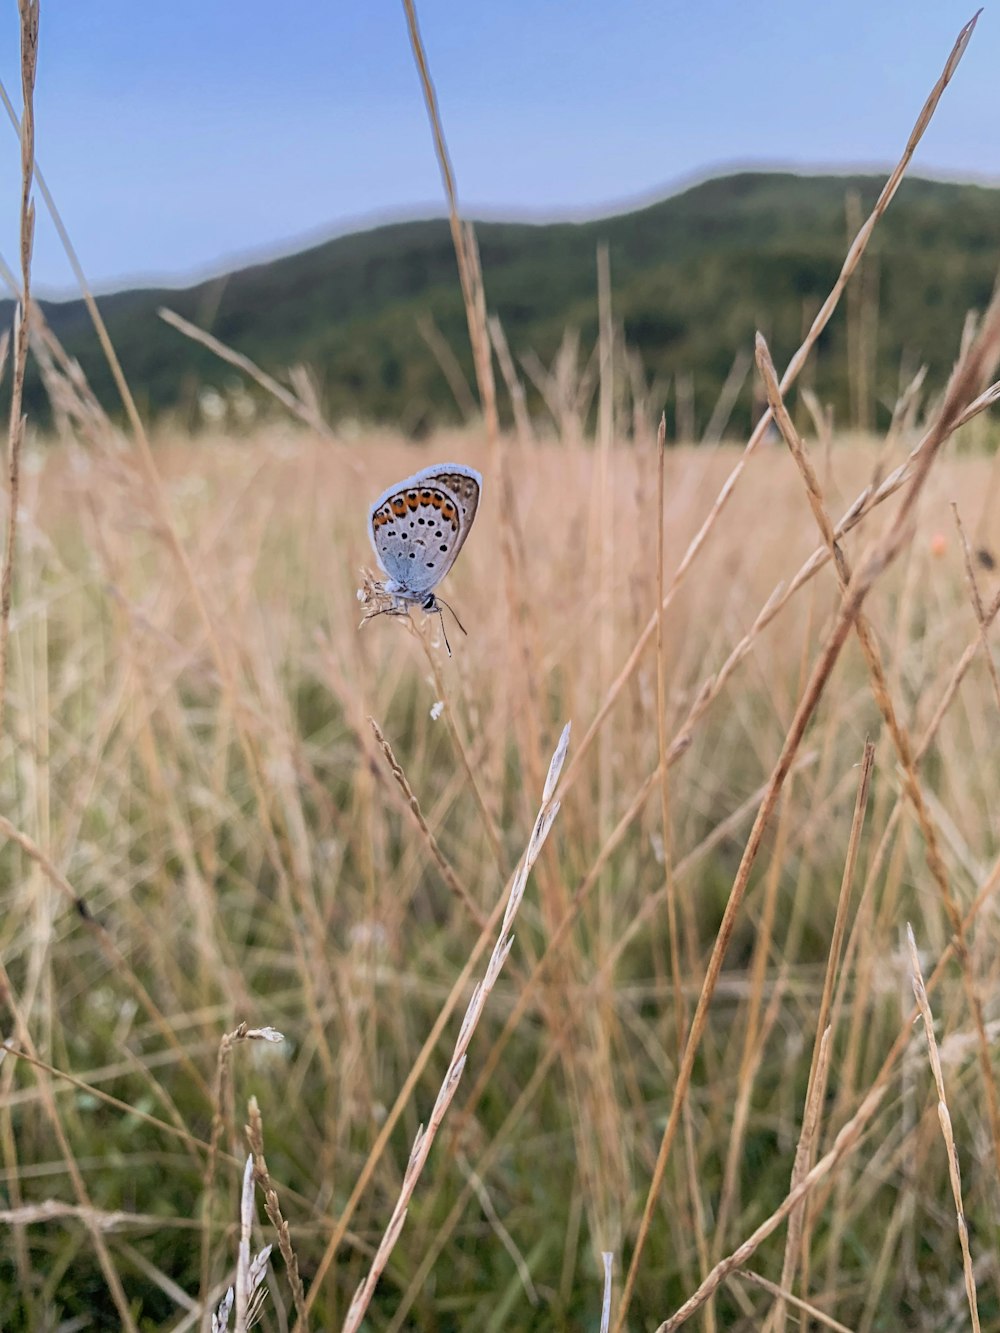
pixel 412 500
pixel 399 506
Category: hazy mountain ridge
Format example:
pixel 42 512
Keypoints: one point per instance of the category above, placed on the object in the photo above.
pixel 693 276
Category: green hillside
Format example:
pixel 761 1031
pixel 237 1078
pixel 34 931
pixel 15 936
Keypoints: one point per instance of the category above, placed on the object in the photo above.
pixel 693 277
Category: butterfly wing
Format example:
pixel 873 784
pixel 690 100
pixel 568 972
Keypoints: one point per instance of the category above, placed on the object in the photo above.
pixel 418 526
pixel 466 485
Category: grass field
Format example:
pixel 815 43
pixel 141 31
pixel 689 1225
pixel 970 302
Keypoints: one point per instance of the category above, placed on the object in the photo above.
pixel 316 937
pixel 211 788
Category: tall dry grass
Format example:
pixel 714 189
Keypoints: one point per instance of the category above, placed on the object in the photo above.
pixel 160 892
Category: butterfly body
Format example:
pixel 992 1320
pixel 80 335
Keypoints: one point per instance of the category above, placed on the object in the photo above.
pixel 417 528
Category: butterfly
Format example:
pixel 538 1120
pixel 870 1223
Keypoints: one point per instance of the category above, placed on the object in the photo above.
pixel 417 528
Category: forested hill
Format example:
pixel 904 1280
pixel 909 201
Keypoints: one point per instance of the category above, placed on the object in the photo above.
pixel 693 276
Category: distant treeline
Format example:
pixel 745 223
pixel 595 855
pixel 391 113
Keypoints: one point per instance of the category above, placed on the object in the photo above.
pixel 693 277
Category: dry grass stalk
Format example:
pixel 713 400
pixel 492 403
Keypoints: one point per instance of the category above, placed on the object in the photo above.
pixel 961 667
pixel 255 1138
pixel 425 1136
pixel 51 1210
pixel 223 1114
pixel 712 687
pixel 566 390
pixel 987 890
pixel 904 411
pixel 515 389
pixel 462 750
pixel 834 961
pixel 413 805
pixel 590 1066
pixel 62 399
pixel 250 1293
pixel 375 601
pixel 791 745
pixel 28 11
pixel 478 1187
pixel 846 1140
pixel 492 1152
pixel 862 317
pixel 304 409
pixel 819 1067
pixel 666 827
pixel 604 544
pixel 250 1273
pixel 115 1103
pixel 666 833
pixel 608 1260
pixel 461 235
pixel 977 604
pixel 728 395
pixel 450 368
pixel 474 299
pixel 805 1155
pixel 757 1029
pixel 781 1294
pixel 944 1117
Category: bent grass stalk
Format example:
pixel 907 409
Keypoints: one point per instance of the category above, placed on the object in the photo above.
pixel 947 1133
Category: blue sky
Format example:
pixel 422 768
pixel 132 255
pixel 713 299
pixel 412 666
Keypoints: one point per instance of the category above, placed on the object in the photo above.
pixel 178 138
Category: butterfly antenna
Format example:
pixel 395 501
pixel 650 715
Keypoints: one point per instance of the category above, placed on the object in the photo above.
pixel 444 632
pixel 457 621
